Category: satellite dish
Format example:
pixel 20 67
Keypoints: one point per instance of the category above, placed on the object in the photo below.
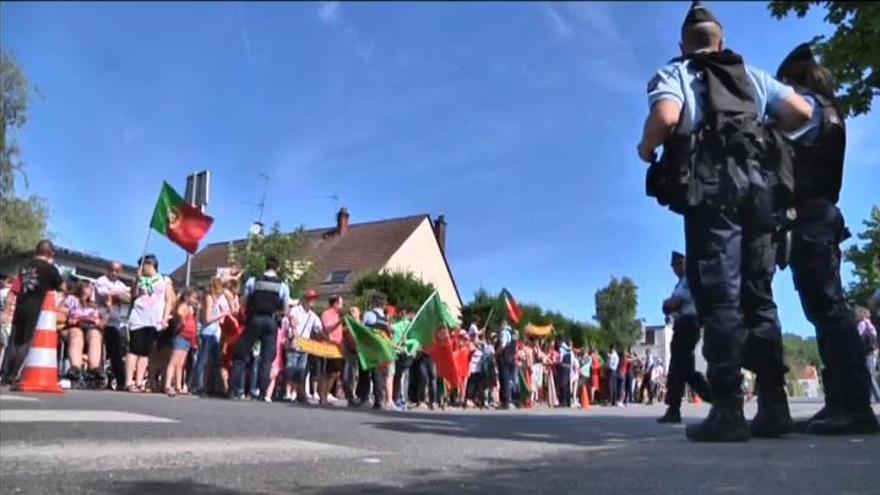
pixel 256 228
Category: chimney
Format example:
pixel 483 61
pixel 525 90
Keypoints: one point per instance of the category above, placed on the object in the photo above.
pixel 342 221
pixel 440 232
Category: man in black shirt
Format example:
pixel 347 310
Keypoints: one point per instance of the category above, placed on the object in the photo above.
pixel 35 279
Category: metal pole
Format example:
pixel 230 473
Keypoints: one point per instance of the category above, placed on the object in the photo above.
pixel 188 268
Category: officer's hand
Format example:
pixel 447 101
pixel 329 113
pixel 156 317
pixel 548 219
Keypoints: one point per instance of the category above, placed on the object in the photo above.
pixel 645 153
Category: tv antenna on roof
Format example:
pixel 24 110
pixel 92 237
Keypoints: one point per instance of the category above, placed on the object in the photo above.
pixel 257 227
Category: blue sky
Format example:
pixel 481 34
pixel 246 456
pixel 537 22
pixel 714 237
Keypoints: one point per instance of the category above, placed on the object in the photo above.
pixel 517 121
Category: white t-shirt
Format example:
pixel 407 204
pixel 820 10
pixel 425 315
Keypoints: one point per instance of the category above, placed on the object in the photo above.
pixel 104 288
pixel 149 305
pixel 221 305
pixel 303 322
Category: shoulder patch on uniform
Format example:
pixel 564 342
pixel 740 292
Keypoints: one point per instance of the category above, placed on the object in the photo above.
pixel 652 84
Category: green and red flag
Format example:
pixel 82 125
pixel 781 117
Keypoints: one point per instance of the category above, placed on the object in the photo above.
pixel 183 224
pixel 372 347
pixel 432 316
pixel 514 312
pixel 525 388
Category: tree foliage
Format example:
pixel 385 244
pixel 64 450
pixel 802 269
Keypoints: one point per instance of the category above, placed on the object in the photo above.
pixel 616 306
pixel 403 289
pixel 22 219
pixel 286 247
pixel 865 258
pixel 851 53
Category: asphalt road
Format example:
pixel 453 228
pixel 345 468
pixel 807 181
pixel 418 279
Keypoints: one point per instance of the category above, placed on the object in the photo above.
pixel 118 443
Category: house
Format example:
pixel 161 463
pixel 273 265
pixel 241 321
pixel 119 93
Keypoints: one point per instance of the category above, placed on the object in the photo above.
pixel 70 263
pixel 658 338
pixel 341 254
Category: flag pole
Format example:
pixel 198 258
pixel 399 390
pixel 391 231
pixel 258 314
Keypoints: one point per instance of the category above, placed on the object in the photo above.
pixel 489 318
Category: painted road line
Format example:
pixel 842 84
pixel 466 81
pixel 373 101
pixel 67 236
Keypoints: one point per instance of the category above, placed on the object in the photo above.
pixel 17 398
pixel 76 416
pixel 176 453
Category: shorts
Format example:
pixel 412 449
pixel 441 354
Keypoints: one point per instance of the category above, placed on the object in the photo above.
pixel 141 341
pixel 295 365
pixel 181 344
pixel 332 366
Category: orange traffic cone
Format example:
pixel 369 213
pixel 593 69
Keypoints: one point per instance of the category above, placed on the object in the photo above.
pixel 585 398
pixel 40 372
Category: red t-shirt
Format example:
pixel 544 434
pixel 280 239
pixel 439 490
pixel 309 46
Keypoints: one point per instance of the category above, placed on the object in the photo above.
pixel 188 329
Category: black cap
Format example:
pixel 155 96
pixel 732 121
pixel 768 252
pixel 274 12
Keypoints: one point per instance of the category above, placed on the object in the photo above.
pixel 801 53
pixel 697 14
pixel 676 256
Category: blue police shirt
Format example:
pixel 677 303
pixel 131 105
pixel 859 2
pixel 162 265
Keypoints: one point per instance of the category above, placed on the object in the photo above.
pixel 810 130
pixel 677 81
pixel 283 291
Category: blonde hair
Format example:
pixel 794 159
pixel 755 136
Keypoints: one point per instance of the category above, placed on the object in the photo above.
pixel 217 286
pixel 862 313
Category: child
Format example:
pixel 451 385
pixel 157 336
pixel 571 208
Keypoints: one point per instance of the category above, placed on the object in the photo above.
pixel 184 328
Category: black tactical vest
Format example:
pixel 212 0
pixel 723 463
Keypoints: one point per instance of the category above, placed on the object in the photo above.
pixel 818 166
pixel 266 298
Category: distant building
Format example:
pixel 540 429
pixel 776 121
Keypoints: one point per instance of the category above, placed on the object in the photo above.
pixel 658 338
pixel 70 263
pixel 340 255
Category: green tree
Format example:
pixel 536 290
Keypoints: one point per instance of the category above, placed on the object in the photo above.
pixel 798 354
pixel 851 53
pixel 22 219
pixel 403 289
pixel 865 259
pixel 616 306
pixel 286 247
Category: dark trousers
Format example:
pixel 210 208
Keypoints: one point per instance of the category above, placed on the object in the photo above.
pixel 611 382
pixel 646 385
pixel 116 343
pixel 815 266
pixel 563 382
pixel 262 328
pixel 682 363
pixel 427 380
pixel 208 364
pixel 401 371
pixel 376 376
pixel 730 264
pixel 505 382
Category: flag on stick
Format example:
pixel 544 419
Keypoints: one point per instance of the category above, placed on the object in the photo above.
pixel 183 224
pixel 372 348
pixel 514 312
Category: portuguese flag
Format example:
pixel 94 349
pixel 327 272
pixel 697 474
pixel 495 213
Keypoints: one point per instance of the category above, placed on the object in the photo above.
pixel 514 312
pixel 181 223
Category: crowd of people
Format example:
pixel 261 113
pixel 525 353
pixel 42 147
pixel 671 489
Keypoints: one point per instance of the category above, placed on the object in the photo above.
pixel 245 341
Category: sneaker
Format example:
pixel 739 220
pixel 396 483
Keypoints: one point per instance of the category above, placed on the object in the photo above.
pixel 267 399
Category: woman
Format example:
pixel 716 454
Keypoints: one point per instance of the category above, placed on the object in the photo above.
pixel 595 371
pixel 537 372
pixel 84 325
pixel 869 340
pixel 209 360
pixel 183 331
pixel 153 296
pixel 231 329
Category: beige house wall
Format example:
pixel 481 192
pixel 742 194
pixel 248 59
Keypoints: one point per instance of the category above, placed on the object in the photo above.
pixel 420 254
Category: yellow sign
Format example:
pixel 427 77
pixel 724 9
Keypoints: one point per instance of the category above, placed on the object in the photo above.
pixel 536 331
pixel 327 350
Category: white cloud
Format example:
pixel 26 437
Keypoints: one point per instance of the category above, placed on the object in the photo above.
pixel 328 12
pixel 329 15
pixel 560 26
pixel 597 18
pixel 246 40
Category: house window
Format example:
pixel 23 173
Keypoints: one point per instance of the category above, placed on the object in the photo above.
pixel 337 277
pixel 649 338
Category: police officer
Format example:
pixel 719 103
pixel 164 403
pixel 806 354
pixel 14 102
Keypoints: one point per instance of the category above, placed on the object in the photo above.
pixel 815 255
pixel 713 98
pixel 685 335
pixel 376 320
pixel 266 299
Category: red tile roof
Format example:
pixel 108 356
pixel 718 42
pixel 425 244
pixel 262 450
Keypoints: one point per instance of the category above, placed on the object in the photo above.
pixel 366 247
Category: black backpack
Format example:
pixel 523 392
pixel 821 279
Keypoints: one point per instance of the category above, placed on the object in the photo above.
pixel 748 161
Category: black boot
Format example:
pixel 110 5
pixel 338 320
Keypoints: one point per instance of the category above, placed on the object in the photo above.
pixel 725 423
pixel 672 416
pixel 773 419
pixel 846 421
